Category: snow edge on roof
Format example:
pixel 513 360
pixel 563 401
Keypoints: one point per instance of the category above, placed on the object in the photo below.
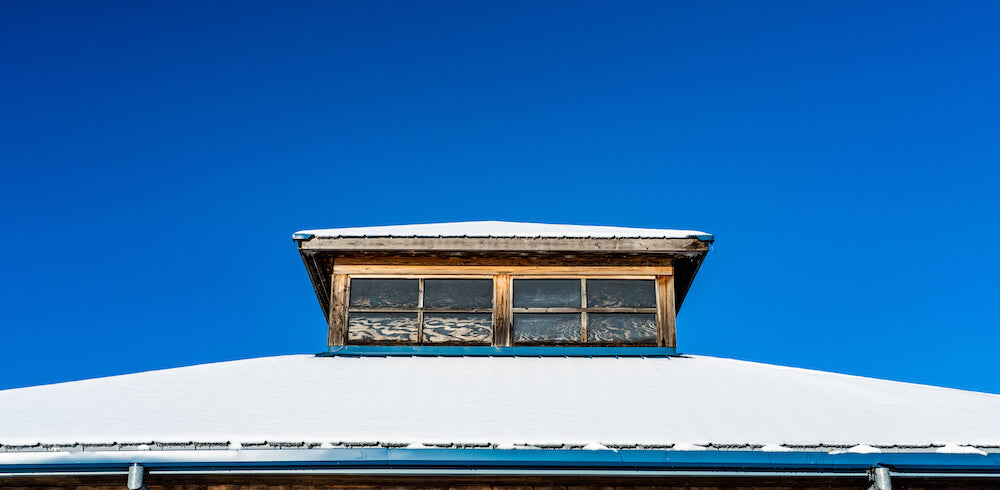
pixel 499 229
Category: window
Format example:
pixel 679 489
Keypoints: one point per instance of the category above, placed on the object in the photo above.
pixel 471 302
pixel 591 311
pixel 422 310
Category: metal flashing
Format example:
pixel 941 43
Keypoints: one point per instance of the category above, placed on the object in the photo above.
pixel 493 351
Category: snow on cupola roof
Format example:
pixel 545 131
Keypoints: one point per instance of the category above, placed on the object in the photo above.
pixel 502 229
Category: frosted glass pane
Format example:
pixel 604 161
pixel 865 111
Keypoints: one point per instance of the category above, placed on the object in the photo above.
pixel 621 328
pixel 384 293
pixel 465 328
pixel 382 327
pixel 547 328
pixel 621 293
pixel 458 293
pixel 546 293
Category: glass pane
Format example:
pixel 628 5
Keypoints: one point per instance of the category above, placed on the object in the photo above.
pixel 547 328
pixel 458 293
pixel 546 293
pixel 382 327
pixel 621 328
pixel 466 328
pixel 384 293
pixel 620 293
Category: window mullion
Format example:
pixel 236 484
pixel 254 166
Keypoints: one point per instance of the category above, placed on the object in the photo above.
pixel 502 314
pixel 420 311
pixel 583 304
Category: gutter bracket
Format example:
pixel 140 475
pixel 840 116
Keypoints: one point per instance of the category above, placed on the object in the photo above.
pixel 136 474
pixel 879 476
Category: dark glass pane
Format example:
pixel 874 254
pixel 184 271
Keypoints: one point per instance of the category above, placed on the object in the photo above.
pixel 620 293
pixel 458 293
pixel 382 327
pixel 547 328
pixel 466 328
pixel 384 293
pixel 621 328
pixel 546 293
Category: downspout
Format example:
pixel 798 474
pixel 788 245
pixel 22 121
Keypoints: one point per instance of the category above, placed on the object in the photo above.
pixel 136 474
pixel 879 476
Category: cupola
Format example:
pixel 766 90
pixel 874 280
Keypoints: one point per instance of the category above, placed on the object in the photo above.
pixel 502 284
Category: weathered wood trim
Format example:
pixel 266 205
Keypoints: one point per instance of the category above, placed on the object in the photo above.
pixel 339 294
pixel 666 320
pixel 504 259
pixel 518 270
pixel 466 244
pixel 502 315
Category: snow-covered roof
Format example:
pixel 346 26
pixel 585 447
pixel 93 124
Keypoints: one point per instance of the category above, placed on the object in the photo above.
pixel 688 402
pixel 501 229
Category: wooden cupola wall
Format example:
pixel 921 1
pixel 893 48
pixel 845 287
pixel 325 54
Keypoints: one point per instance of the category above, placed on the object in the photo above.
pixel 502 284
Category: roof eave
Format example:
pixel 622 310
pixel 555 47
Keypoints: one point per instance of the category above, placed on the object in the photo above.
pixel 690 245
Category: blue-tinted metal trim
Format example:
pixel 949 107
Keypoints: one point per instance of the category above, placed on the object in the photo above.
pixel 301 236
pixel 525 459
pixel 490 351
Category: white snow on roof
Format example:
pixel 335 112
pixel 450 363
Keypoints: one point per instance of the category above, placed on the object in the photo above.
pixel 501 229
pixel 686 401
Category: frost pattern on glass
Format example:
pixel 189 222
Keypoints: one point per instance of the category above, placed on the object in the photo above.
pixel 547 328
pixel 382 327
pixel 621 328
pixel 546 293
pixel 458 293
pixel 465 328
pixel 384 293
pixel 621 293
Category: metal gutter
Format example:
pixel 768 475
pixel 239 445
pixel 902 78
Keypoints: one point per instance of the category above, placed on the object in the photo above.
pixel 492 351
pixel 514 461
pixel 460 472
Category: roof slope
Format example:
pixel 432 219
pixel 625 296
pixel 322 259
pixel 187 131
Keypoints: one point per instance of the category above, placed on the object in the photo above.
pixel 502 229
pixel 498 400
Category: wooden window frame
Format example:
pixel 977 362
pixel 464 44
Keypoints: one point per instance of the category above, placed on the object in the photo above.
pixel 420 309
pixel 503 276
pixel 583 309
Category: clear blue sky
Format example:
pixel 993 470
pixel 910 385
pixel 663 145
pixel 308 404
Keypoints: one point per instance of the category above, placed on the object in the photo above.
pixel 844 154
